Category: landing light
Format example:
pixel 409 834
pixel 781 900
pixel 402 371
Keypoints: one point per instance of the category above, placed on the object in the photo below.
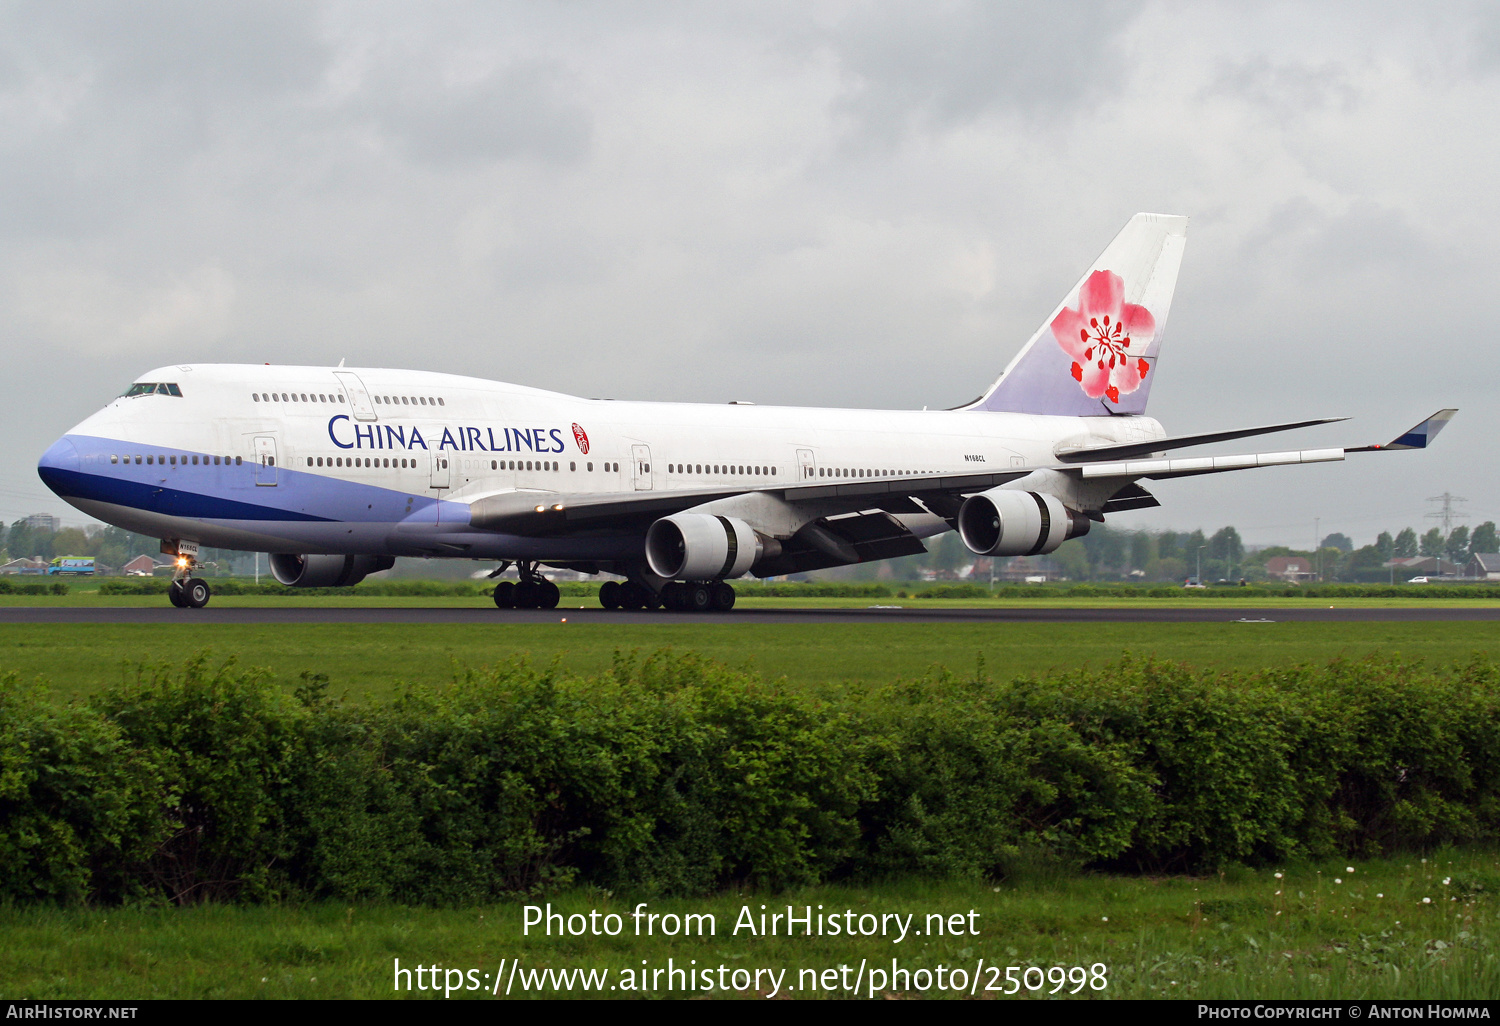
pixel 558 507
pixel 181 561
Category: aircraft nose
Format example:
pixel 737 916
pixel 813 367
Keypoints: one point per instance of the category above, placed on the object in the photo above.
pixel 57 463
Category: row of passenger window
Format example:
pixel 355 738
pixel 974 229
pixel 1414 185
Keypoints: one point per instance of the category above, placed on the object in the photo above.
pixel 357 461
pixel 399 463
pixel 409 400
pixel 721 469
pixel 154 458
pixel 296 397
pixel 853 472
pixel 337 397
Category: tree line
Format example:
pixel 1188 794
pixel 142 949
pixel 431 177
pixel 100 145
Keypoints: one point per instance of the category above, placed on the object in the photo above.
pixel 111 546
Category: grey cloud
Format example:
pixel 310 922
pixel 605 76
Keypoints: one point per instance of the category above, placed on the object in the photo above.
pixel 196 53
pixel 1285 89
pixel 522 109
pixel 912 66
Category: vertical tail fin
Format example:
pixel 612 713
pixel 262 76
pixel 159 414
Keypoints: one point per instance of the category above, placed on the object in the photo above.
pixel 1096 355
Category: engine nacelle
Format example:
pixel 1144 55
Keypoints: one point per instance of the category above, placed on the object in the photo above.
pixel 326 571
pixel 1006 522
pixel 701 547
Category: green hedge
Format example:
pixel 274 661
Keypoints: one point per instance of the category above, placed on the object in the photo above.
pixel 674 774
pixel 32 587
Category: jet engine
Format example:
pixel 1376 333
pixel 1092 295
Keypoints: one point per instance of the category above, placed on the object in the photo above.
pixel 701 547
pixel 326 571
pixel 1006 522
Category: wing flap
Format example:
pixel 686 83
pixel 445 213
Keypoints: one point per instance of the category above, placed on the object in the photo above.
pixel 1164 468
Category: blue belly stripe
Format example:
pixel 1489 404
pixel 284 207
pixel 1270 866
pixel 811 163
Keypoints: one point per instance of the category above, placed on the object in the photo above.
pixel 159 499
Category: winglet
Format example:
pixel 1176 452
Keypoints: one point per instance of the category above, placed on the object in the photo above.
pixel 1418 437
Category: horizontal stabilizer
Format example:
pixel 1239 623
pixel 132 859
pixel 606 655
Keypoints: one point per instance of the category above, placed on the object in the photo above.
pixel 1130 450
pixel 1419 437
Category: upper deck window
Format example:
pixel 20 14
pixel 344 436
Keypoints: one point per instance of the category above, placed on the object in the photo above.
pixel 152 388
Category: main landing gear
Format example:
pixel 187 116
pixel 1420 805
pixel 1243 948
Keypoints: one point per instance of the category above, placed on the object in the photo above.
pixel 678 596
pixel 532 591
pixel 187 591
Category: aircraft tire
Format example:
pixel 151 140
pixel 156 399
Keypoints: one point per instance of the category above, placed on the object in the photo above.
pixel 673 596
pixel 609 594
pixel 505 595
pixel 548 595
pixel 528 595
pixel 632 596
pixel 175 595
pixel 196 592
pixel 700 598
pixel 723 597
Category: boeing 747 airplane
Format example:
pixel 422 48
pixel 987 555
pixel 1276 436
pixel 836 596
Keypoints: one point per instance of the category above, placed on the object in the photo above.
pixel 336 471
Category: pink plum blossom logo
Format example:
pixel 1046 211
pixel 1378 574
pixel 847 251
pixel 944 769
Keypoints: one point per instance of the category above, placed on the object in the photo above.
pixel 1100 336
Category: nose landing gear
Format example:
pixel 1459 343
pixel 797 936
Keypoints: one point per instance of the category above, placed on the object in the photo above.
pixel 187 591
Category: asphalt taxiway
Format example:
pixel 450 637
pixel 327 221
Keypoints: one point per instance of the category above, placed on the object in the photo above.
pixel 894 613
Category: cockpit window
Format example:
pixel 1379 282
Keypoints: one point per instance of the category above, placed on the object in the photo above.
pixel 152 388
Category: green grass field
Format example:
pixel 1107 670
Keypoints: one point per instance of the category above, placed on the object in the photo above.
pixel 371 660
pixel 1245 934
pixel 1317 932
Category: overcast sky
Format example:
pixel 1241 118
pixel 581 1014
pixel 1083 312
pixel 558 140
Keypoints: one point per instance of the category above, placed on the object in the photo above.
pixel 832 204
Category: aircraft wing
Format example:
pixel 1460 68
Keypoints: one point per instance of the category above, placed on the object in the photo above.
pixel 1418 437
pixel 536 513
pixel 549 513
pixel 1129 450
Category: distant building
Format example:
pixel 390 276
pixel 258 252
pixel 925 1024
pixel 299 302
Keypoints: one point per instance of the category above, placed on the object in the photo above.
pixel 1484 566
pixel 1423 566
pixel 1292 569
pixel 43 522
pixel 1023 569
pixel 139 565
pixel 24 566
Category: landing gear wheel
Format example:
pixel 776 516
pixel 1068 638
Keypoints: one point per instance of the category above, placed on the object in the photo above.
pixel 700 598
pixel 609 594
pixel 632 596
pixel 176 596
pixel 505 595
pixel 195 592
pixel 723 597
pixel 671 596
pixel 548 595
pixel 528 595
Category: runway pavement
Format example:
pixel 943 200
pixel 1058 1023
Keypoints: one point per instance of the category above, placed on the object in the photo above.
pixel 874 614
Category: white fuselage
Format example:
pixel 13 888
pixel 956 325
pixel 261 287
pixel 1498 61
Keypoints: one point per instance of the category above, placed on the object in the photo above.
pixel 376 461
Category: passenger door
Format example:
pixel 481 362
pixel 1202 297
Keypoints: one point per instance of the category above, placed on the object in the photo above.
pixel 359 396
pixel 808 465
pixel 265 460
pixel 640 455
